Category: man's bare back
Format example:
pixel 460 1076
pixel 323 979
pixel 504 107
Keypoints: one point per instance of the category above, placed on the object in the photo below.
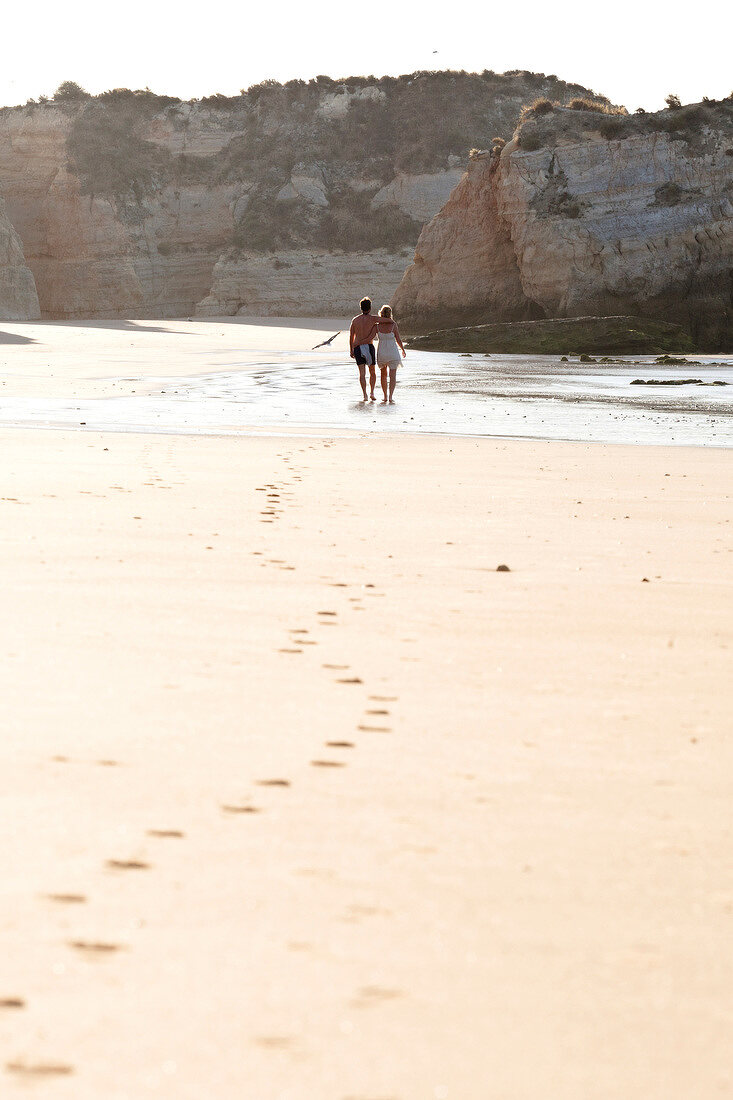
pixel 362 330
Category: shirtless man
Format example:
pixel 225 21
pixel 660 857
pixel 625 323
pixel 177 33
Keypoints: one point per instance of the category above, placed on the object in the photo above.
pixel 361 347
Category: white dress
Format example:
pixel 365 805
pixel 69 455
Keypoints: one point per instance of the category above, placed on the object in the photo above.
pixel 388 352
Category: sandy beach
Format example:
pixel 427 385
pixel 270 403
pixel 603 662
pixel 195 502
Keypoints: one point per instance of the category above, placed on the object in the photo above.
pixel 307 801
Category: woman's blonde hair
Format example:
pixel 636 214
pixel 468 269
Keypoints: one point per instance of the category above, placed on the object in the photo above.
pixel 385 311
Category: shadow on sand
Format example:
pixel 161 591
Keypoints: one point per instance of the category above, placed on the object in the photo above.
pixel 127 325
pixel 14 338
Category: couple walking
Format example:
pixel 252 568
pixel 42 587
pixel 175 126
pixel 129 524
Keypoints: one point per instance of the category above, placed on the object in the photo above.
pixel 361 348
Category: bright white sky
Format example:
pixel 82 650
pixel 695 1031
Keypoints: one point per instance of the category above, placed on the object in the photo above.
pixel 634 51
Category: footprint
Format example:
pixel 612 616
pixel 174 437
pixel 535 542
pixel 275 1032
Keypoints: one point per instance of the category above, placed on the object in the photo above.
pixel 367 911
pixel 39 1069
pixel 340 744
pixel 108 763
pixel 336 668
pixel 229 808
pixel 273 782
pixel 374 729
pixel 68 899
pixel 328 763
pixel 127 865
pixel 95 947
pixel 165 833
pixel 12 1002
pixel 383 698
pixel 372 994
pixel 290 650
pixel 274 1042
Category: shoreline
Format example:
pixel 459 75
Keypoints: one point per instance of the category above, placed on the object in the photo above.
pixel 215 376
pixel 320 433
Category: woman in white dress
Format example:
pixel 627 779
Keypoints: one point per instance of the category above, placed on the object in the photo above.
pixel 388 350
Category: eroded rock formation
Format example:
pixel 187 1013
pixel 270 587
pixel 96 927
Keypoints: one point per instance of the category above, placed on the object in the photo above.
pixel 132 204
pixel 301 283
pixel 588 214
pixel 105 255
pixel 18 298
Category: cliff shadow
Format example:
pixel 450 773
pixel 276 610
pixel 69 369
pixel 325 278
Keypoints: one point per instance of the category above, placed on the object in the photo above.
pixel 15 338
pixel 128 325
pixel 319 323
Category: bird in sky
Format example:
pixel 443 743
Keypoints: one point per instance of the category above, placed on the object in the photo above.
pixel 327 343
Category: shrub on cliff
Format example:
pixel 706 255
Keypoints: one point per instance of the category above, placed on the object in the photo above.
pixel 219 100
pixel 611 128
pixel 142 101
pixel 600 106
pixel 529 141
pixel 541 106
pixel 69 91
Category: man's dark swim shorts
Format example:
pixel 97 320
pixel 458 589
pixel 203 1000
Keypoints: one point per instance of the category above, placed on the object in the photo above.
pixel 362 360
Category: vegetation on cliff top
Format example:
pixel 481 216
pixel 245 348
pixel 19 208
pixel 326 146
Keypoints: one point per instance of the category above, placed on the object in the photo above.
pixel 545 122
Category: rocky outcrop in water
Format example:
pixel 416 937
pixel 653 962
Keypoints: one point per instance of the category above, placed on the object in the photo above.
pixel 587 213
pixel 566 336
pixel 132 204
pixel 18 298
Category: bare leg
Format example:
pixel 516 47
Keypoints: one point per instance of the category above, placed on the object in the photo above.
pixel 372 380
pixel 392 381
pixel 362 379
pixel 384 383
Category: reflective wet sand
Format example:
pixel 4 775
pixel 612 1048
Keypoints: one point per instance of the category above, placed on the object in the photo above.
pixel 239 375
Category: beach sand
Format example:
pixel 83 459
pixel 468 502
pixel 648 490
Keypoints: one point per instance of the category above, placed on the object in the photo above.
pixel 304 800
pixel 88 359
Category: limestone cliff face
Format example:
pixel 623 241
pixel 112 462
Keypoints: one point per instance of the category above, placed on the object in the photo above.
pixel 300 283
pixel 586 224
pixel 132 204
pixel 465 266
pixel 100 255
pixel 18 298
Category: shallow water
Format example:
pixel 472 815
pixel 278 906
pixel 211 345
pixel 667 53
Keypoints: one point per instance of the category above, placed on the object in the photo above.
pixel 502 396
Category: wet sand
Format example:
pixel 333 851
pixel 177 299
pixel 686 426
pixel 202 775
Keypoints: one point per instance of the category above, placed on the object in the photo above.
pixel 241 375
pixel 304 799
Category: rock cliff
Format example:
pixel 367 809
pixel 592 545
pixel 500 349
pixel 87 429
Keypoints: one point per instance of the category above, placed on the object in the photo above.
pixel 18 298
pixel 288 198
pixel 586 212
pixel 299 283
